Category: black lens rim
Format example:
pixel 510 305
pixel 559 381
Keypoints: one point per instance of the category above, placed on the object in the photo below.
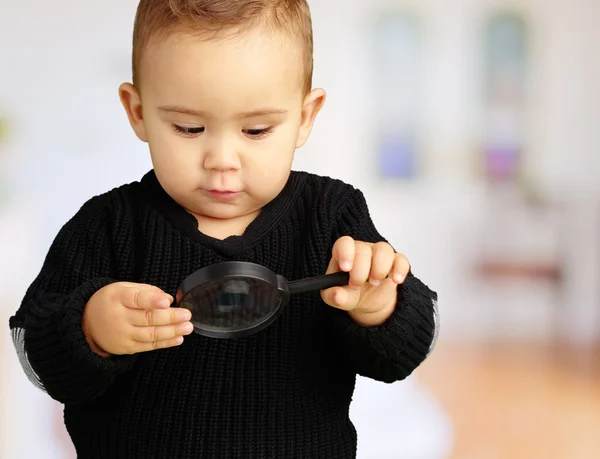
pixel 229 269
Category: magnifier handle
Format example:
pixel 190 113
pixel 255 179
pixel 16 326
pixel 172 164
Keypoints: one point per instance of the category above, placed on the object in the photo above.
pixel 324 282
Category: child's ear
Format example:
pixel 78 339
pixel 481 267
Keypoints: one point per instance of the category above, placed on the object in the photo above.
pixel 313 103
pixel 130 98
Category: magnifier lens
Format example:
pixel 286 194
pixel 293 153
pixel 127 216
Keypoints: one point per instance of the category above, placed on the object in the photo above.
pixel 231 304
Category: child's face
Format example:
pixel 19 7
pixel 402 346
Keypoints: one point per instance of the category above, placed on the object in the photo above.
pixel 222 116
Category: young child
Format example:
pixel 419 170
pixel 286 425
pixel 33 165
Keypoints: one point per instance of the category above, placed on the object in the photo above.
pixel 222 95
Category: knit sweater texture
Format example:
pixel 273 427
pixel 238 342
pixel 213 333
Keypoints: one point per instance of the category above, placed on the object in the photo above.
pixel 282 393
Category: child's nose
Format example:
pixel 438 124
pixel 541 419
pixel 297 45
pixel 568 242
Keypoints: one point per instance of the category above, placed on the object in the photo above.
pixel 221 156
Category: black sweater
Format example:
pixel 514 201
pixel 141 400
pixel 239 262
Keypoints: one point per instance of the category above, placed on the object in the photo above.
pixel 281 393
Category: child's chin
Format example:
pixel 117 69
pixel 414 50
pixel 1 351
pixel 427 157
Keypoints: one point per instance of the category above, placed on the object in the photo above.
pixel 222 211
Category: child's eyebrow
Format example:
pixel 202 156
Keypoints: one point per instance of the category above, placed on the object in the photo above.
pixel 251 114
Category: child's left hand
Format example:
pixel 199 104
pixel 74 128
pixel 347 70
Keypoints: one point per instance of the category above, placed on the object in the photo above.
pixel 375 271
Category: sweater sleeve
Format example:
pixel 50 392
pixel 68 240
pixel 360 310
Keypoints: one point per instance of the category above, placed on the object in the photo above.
pixel 47 328
pixel 393 350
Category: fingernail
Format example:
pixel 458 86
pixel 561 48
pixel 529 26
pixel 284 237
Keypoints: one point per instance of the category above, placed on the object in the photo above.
pixel 398 278
pixel 184 316
pixel 188 328
pixel 346 266
pixel 179 340
pixel 165 302
pixel 375 282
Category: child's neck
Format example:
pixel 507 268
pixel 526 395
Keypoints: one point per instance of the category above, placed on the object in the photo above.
pixel 220 228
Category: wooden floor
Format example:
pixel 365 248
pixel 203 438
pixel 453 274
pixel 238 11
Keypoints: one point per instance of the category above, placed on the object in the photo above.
pixel 518 401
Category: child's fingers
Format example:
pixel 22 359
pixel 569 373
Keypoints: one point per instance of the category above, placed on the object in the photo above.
pixel 339 297
pixel 345 298
pixel 157 317
pixel 382 262
pixel 361 266
pixel 343 253
pixel 138 347
pixel 145 297
pixel 160 333
pixel 400 269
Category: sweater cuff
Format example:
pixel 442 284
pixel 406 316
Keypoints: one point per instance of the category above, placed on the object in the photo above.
pixel 392 350
pixel 58 354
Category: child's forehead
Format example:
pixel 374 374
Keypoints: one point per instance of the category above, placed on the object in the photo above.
pixel 250 57
pixel 231 73
pixel 260 40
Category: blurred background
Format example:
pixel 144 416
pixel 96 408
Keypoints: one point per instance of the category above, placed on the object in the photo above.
pixel 473 128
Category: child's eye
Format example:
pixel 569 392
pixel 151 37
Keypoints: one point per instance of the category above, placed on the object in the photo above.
pixel 258 133
pixel 189 131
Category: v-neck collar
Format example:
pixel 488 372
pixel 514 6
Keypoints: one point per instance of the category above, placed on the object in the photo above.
pixel 269 217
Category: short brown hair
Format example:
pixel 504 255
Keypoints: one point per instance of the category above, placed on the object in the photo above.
pixel 157 18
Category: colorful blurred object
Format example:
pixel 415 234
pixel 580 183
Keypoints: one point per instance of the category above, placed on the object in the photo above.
pixel 397 71
pixel 506 61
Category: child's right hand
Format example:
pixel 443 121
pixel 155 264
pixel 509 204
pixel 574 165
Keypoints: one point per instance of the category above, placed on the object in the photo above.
pixel 127 318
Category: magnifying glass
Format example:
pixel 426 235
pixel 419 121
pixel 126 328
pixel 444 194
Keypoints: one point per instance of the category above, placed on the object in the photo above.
pixel 234 299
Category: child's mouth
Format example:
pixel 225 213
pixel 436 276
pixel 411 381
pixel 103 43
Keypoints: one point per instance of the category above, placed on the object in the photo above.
pixel 223 195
